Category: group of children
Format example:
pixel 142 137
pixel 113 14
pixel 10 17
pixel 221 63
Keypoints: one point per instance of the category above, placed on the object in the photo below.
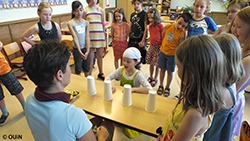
pixel 214 71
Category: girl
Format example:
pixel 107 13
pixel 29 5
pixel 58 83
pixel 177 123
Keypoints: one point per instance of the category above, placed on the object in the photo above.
pixel 221 127
pixel 233 8
pixel 201 23
pixel 201 88
pixel 45 28
pixel 129 73
pixel 155 30
pixel 95 15
pixel 119 32
pixel 241 28
pixel 79 29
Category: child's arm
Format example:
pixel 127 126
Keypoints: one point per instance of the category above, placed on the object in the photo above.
pixel 191 125
pixel 243 80
pixel 31 31
pixel 112 30
pixel 143 41
pixel 128 30
pixel 75 39
pixel 87 41
pixel 59 33
pixel 143 82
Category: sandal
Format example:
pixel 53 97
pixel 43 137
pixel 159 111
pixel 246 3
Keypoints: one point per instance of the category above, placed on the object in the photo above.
pixel 149 79
pixel 160 90
pixel 166 92
pixel 153 82
pixel 100 76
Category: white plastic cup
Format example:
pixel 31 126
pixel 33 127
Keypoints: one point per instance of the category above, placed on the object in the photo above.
pixel 107 90
pixel 151 101
pixel 91 86
pixel 127 96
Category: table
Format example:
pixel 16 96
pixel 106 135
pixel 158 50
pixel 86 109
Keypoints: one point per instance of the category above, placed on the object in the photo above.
pixel 134 117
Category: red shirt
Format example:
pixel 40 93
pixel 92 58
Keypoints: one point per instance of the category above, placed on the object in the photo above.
pixel 155 34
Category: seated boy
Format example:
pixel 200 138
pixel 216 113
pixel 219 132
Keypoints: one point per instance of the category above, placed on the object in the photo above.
pixel 48 112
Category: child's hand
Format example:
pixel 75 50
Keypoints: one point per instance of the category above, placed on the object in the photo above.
pixel 113 89
pixel 141 44
pixel 102 133
pixel 85 55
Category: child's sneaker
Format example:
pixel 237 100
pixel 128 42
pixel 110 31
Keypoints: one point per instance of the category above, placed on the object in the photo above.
pixel 3 119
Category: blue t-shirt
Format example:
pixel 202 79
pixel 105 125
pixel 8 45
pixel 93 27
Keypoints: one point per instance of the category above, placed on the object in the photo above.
pixel 199 27
pixel 55 120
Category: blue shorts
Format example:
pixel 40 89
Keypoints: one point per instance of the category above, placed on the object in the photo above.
pixel 166 62
pixel 10 81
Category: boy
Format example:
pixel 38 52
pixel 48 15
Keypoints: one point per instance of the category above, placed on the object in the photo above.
pixel 48 109
pixel 173 35
pixel 11 83
pixel 138 32
pixel 201 23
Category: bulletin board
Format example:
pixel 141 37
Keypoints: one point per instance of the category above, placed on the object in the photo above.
pixel 110 4
pixel 6 4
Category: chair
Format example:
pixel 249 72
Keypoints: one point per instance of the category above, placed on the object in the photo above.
pixel 25 47
pixel 14 56
pixel 68 42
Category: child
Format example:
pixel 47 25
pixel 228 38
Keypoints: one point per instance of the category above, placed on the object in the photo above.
pixel 241 28
pixel 95 16
pixel 173 35
pixel 45 28
pixel 9 80
pixel 119 32
pixel 233 7
pixel 201 89
pixel 48 109
pixel 221 127
pixel 129 73
pixel 138 30
pixel 201 23
pixel 155 30
pixel 79 29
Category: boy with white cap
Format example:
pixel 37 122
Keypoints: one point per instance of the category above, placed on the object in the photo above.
pixel 129 73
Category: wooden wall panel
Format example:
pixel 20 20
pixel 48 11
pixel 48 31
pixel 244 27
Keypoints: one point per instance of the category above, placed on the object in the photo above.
pixel 17 29
pixel 5 35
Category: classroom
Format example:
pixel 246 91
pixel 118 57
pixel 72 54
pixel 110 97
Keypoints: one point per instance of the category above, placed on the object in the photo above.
pixel 17 19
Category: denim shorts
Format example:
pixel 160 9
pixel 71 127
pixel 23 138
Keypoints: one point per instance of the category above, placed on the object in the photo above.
pixel 10 81
pixel 166 62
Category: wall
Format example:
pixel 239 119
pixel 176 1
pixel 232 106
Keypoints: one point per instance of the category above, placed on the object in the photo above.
pixel 216 5
pixel 24 13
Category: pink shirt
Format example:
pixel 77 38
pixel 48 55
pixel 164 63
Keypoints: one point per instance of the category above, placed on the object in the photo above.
pixel 155 33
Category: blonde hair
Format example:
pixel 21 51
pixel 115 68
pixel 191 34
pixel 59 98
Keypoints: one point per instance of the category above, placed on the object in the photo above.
pixel 230 46
pixel 43 5
pixel 203 72
pixel 244 15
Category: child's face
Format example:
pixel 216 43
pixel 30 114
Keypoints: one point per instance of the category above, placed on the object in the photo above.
pixel 118 17
pixel 78 12
pixel 129 64
pixel 137 6
pixel 151 18
pixel 45 15
pixel 240 29
pixel 180 24
pixel 200 7
pixel 231 12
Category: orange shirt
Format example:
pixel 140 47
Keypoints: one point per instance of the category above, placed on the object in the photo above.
pixel 4 65
pixel 171 40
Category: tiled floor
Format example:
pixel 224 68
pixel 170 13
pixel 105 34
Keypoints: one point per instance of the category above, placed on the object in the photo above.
pixel 16 125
